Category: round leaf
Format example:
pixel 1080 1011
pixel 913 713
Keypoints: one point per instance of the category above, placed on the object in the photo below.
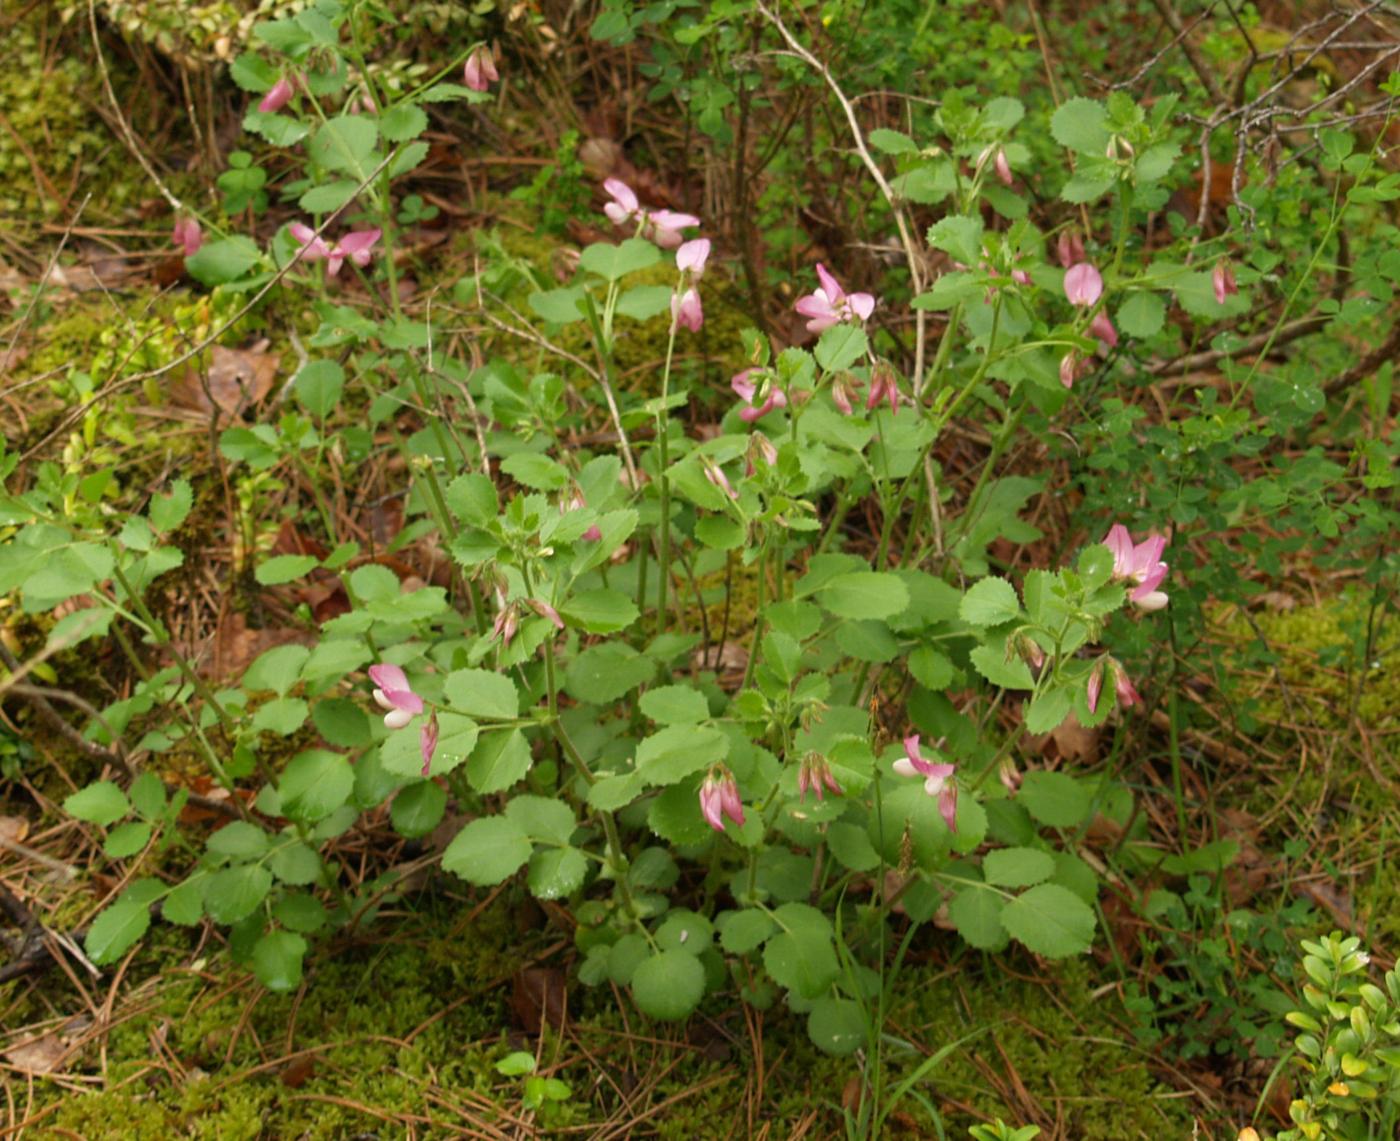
pixel 487 851
pixel 836 1026
pixel 1051 921
pixel 418 809
pixel 668 986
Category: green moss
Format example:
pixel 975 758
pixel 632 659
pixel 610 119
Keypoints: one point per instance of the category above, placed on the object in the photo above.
pixel 383 1025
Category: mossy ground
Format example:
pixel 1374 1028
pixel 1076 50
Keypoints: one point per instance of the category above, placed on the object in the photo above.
pixel 401 1032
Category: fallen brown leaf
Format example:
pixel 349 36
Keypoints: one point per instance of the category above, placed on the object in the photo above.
pixel 43 1055
pixel 14 829
pixel 236 379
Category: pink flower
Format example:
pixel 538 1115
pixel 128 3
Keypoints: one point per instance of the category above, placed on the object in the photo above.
pixel 662 226
pixel 1069 248
pixel 1103 328
pixel 1083 284
pixel 773 396
pixel 883 387
pixel 814 775
pixel 719 797
pixel 1094 686
pixel 392 692
pixel 1069 368
pixel 187 234
pixel 999 163
pixel 692 256
pixel 313 248
pixel 760 448
pixel 1123 685
pixel 1222 280
pixel 845 391
pixel 507 618
pixel 829 305
pixel 1140 563
pixel 427 742
pixel 624 205
pixel 545 610
pixel 357 246
pixel 279 95
pixel 937 779
pixel 1020 277
pixel 686 310
pixel 480 70
pixel 715 474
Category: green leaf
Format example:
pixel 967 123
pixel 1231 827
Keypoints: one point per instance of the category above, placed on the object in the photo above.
pixel 345 143
pixel 958 236
pixel 1017 867
pixel 675 705
pixel 482 693
pixel 606 672
pixel 341 722
pixel 989 602
pixel 101 802
pixel 314 784
pixel 536 471
pixel 1048 710
pixel 277 958
pixel 418 809
pixel 993 664
pixel 668 986
pixel 235 893
pixel 238 840
pixel 745 930
pixel 114 931
pixel 803 965
pixel 499 761
pixel 298 911
pixel 184 906
pixel 542 818
pixel 127 839
pixel 278 669
pixel 295 863
pixel 147 796
pixel 1051 921
pixel 1142 315
pixel 167 512
pixel 556 873
pixel 892 142
pixel 284 716
pixel 852 847
pixel 329 198
pixel 407 159
pixel 644 302
pixel 1081 125
pixel 487 851
pixel 224 260
pixel 600 611
pixel 560 306
pixel 864 594
pixel 285 568
pixel 686 931
pixel 678 751
pixel 318 385
pixel 402 754
pixel 840 347
pixel 976 913
pixel 1054 798
pixel 837 1026
pixel 720 532
pixel 402 123
pixel 613 262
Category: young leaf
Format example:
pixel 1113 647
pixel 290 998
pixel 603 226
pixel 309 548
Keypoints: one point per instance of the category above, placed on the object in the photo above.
pixel 418 809
pixel 277 960
pixel 1017 867
pixel 487 851
pixel 668 986
pixel 101 802
pixel 114 931
pixel 837 1026
pixel 1051 921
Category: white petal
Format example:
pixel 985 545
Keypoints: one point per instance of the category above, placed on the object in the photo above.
pixel 905 767
pixel 397 718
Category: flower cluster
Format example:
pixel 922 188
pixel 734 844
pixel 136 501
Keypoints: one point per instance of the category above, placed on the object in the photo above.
pixel 719 797
pixel 357 246
pixel 829 304
pixel 480 70
pixel 1139 563
pixel 938 779
pixel 662 226
pixel 394 693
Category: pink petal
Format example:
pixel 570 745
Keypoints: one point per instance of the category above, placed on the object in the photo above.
pixel 1069 248
pixel 742 385
pixel 1121 544
pixel 1083 284
pixel 863 305
pixel 358 243
pixel 692 256
pixel 1103 329
pixel 1095 686
pixel 1068 367
pixel 948 805
pixel 831 288
pixel 1003 167
pixel 278 97
pixel 710 807
pixel 622 194
pixel 387 676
